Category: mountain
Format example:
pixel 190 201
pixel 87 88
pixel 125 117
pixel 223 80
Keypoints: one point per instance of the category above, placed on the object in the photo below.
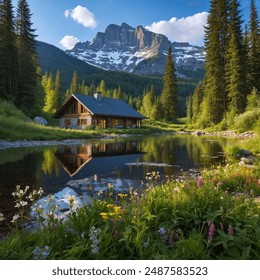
pixel 137 50
pixel 52 59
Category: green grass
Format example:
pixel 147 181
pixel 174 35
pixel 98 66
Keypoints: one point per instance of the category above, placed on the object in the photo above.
pixel 177 220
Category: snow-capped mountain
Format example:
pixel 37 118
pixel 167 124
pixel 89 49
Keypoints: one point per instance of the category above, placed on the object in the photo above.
pixel 136 50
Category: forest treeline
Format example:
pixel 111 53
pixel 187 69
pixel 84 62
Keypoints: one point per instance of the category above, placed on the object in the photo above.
pixel 231 84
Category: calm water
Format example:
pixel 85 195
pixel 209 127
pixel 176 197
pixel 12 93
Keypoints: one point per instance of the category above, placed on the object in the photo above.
pixel 92 165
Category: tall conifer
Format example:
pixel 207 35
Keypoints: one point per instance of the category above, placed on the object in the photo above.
pixel 254 48
pixel 8 52
pixel 235 60
pixel 27 77
pixel 169 101
pixel 216 34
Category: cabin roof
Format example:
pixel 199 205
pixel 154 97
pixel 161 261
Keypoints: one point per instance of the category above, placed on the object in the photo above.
pixel 103 106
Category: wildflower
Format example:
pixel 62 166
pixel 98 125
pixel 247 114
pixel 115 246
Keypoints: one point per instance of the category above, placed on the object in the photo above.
pixel 211 232
pixel 93 236
pixel 41 254
pixel 110 205
pixel 230 230
pixel 100 192
pixel 23 203
pixel 71 200
pixel 199 181
pixel 103 215
pixel 162 231
pixel 122 195
pixel 117 209
pixel 1 217
pixel 15 218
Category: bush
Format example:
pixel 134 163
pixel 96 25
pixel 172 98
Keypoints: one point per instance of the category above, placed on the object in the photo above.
pixel 7 109
pixel 247 121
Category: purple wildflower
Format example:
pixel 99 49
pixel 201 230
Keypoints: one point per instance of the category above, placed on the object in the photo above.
pixel 230 230
pixel 199 181
pixel 211 232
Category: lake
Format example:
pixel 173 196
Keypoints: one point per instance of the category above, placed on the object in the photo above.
pixel 87 169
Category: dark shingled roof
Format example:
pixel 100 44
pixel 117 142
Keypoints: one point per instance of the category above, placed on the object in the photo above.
pixel 108 106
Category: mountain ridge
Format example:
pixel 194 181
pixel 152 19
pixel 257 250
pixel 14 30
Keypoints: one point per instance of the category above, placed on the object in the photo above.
pixel 137 50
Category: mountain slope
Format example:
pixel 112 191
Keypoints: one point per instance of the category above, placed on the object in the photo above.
pixel 137 50
pixel 52 58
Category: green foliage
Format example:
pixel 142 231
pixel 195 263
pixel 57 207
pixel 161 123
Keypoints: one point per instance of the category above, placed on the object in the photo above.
pixel 247 121
pixel 169 106
pixel 8 52
pixel 9 110
pixel 254 48
pixel 28 64
pixel 253 100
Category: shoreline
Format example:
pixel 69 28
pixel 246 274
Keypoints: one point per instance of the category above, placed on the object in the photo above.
pixel 5 144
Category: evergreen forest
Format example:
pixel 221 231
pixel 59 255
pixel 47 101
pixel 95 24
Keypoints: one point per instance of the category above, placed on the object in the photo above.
pixel 231 86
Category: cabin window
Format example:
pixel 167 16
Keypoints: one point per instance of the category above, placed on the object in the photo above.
pixel 82 122
pixel 67 122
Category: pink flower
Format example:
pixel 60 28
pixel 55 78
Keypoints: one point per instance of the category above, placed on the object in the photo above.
pixel 230 230
pixel 211 232
pixel 199 181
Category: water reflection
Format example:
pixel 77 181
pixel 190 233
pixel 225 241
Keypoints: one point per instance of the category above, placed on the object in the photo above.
pixel 121 162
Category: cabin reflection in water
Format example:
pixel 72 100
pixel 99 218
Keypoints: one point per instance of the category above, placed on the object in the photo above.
pixel 73 158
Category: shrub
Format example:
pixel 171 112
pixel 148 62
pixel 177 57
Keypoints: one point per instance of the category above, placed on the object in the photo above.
pixel 248 120
pixel 7 109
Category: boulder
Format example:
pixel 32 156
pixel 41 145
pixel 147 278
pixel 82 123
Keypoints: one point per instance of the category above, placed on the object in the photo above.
pixel 40 120
pixel 248 160
pixel 245 153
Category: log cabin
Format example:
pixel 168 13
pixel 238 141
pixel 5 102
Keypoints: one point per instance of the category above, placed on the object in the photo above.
pixel 79 111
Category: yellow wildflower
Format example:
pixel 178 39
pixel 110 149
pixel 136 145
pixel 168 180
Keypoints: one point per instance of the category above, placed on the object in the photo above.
pixel 103 215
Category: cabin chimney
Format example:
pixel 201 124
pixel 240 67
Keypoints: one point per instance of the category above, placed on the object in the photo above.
pixel 98 95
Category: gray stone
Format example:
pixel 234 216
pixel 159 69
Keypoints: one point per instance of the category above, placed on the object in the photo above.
pixel 248 160
pixel 40 120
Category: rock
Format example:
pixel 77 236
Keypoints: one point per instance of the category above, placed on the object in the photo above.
pixel 137 50
pixel 40 120
pixel 241 163
pixel 245 153
pixel 248 160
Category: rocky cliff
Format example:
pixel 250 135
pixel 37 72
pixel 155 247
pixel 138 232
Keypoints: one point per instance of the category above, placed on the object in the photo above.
pixel 136 50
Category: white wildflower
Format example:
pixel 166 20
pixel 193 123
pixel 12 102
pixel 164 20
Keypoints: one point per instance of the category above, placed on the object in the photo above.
pixel 15 218
pixel 93 236
pixel 1 217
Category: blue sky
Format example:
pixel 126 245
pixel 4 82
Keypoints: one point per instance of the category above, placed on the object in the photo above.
pixel 64 22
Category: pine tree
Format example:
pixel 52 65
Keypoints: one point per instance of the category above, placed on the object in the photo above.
pixel 189 108
pixel 216 35
pixel 50 101
pixel 197 98
pixel 8 52
pixel 28 64
pixel 235 60
pixel 74 86
pixel 102 88
pixel 254 48
pixel 169 92
pixel 57 91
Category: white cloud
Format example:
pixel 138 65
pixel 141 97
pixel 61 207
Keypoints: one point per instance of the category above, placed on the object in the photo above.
pixel 68 42
pixel 83 16
pixel 67 13
pixel 189 29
